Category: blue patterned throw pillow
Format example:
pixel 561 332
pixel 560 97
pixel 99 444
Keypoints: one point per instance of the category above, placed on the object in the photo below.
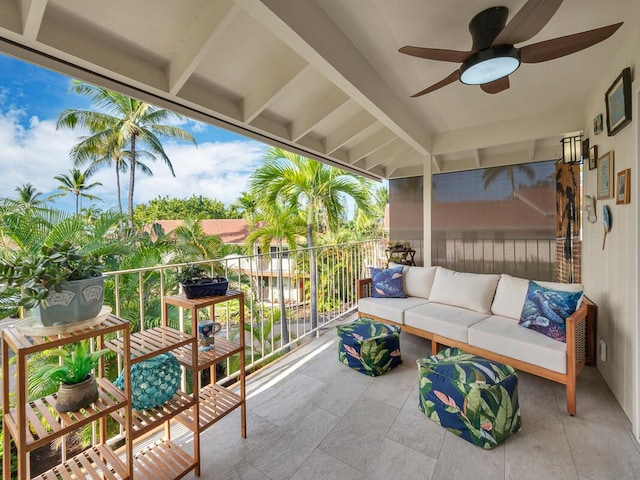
pixel 387 283
pixel 546 310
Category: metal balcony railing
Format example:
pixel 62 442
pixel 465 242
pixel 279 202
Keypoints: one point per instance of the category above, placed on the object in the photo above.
pixel 137 295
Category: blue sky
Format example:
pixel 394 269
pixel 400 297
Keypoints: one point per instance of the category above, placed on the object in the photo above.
pixel 33 151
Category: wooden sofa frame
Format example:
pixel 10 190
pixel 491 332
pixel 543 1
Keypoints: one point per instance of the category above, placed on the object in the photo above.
pixel 576 346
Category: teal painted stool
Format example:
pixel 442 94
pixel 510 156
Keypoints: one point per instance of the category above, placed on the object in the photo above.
pixel 473 397
pixel 370 347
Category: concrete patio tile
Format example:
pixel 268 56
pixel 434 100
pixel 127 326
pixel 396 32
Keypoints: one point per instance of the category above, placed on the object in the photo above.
pixel 393 460
pixel 538 404
pixel 460 459
pixel 394 387
pixel 281 454
pixel 339 394
pixel 291 395
pixel 602 450
pixel 357 436
pixel 413 429
pixel 322 466
pixel 536 453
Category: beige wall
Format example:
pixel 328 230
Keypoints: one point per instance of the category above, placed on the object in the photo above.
pixel 611 275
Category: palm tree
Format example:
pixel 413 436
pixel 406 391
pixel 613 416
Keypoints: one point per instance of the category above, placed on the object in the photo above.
pixel 29 198
pixel 194 244
pixel 282 225
pixel 77 183
pixel 490 175
pixel 316 188
pixel 122 123
pixel 246 206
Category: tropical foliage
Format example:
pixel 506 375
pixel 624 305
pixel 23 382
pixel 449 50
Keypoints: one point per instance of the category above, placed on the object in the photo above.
pixel 119 131
pixel 166 208
pixel 317 190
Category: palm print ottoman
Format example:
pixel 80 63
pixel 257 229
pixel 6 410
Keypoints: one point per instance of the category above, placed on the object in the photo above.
pixel 473 397
pixel 370 347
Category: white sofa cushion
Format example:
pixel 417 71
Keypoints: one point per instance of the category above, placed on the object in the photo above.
pixel 512 291
pixel 417 280
pixel 503 336
pixel 391 309
pixel 446 320
pixel 473 291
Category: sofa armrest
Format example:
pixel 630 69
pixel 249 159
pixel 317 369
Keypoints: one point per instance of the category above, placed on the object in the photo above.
pixel 364 288
pixel 576 339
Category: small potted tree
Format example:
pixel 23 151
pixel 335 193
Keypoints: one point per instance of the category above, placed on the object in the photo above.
pixel 65 285
pixel 77 386
pixel 197 283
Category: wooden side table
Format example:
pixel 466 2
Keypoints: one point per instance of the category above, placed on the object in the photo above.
pixel 404 256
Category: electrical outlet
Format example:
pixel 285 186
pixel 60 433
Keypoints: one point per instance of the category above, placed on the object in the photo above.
pixel 603 351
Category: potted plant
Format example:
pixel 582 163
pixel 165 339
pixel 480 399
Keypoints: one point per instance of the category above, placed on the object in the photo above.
pixel 196 282
pixel 64 284
pixel 77 386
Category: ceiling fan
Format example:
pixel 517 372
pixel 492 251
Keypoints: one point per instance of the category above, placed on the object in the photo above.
pixel 494 57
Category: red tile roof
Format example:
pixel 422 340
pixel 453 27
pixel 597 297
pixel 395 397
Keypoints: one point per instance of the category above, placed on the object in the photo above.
pixel 229 230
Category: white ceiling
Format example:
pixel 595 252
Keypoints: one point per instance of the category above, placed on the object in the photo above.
pixel 324 77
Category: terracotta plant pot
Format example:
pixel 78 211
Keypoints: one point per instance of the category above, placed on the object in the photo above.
pixel 71 398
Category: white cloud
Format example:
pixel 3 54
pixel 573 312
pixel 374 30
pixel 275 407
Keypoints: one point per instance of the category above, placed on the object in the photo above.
pixel 37 153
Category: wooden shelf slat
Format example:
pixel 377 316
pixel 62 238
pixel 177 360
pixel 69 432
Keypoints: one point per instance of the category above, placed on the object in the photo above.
pixel 163 460
pixel 110 399
pixel 97 462
pixel 223 349
pixel 152 342
pixel 33 343
pixel 215 403
pixel 143 421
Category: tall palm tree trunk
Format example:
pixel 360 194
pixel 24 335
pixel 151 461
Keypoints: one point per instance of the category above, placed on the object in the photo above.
pixel 132 179
pixel 283 306
pixel 118 188
pixel 77 203
pixel 313 277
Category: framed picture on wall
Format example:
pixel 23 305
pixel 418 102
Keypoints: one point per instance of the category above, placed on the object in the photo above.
pixel 618 102
pixel 593 157
pixel 605 176
pixel 623 192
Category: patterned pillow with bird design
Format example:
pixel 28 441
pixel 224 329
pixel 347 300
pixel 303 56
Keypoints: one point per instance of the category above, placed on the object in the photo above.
pixel 387 282
pixel 546 310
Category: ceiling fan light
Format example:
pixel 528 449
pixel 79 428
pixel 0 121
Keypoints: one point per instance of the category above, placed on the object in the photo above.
pixel 489 65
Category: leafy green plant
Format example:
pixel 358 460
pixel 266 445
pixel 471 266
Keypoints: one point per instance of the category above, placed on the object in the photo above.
pixel 46 271
pixel 77 363
pixel 193 274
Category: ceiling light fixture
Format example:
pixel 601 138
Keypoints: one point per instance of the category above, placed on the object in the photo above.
pixel 486 66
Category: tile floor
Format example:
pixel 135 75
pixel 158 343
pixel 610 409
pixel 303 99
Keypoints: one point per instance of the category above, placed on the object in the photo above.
pixel 310 417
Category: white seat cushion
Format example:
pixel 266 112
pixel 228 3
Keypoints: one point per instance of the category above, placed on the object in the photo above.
pixel 391 309
pixel 511 292
pixel 473 291
pixel 446 320
pixel 504 336
pixel 417 281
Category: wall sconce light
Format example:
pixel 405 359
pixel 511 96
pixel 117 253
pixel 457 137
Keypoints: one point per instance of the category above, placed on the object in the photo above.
pixel 572 149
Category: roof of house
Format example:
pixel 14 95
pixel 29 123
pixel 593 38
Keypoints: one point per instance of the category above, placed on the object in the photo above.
pixel 229 230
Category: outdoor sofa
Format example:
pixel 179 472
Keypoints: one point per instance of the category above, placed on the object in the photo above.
pixel 480 314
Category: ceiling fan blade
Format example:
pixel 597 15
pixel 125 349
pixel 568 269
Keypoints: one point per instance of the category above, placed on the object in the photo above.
pixel 529 20
pixel 496 86
pixel 561 46
pixel 456 56
pixel 442 83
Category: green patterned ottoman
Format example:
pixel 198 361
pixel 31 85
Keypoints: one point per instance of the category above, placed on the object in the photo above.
pixel 370 347
pixel 473 397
